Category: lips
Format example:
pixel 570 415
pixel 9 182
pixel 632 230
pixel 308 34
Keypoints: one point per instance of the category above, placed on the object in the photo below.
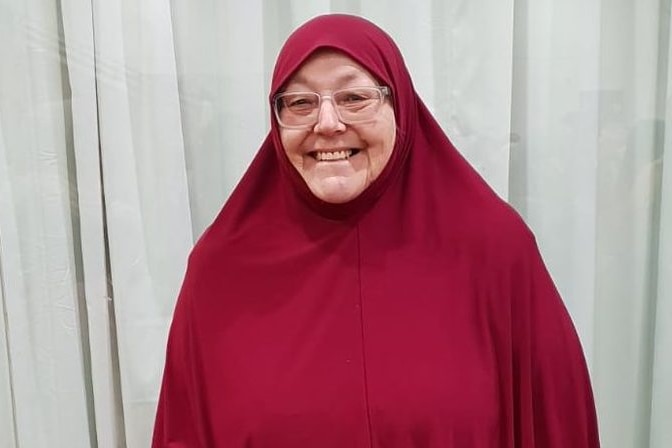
pixel 332 156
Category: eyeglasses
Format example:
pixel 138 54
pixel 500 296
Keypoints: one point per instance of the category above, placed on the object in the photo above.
pixel 301 110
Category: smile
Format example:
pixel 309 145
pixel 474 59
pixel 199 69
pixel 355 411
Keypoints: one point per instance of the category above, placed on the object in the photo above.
pixel 331 156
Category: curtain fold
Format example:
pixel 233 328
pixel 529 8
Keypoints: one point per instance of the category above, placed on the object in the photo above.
pixel 7 421
pixel 103 367
pixel 628 228
pixel 146 197
pixel 38 236
pixel 661 379
pixel 223 110
pixel 661 384
pixel 125 125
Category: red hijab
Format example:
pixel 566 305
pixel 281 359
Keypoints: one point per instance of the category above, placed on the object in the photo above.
pixel 419 314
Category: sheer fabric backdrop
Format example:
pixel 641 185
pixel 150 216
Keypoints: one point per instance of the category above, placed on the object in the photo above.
pixel 124 125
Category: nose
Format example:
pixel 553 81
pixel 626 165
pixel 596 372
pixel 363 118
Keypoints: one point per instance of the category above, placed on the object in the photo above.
pixel 327 119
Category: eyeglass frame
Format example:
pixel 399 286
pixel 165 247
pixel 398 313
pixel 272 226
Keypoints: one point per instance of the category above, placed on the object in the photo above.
pixel 385 91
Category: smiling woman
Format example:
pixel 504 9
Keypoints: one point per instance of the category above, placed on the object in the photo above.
pixel 363 287
pixel 342 144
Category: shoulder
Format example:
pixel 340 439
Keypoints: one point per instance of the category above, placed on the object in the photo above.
pixel 492 226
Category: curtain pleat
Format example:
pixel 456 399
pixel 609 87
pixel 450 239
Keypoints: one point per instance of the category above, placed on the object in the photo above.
pixel 7 421
pixel 628 211
pixel 661 378
pixel 146 197
pixel 38 238
pixel 103 367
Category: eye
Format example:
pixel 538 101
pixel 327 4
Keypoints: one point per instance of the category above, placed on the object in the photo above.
pixel 355 97
pixel 352 97
pixel 298 103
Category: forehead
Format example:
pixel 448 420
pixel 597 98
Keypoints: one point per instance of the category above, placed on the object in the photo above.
pixel 330 69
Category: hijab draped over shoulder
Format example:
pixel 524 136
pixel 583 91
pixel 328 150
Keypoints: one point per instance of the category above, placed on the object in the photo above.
pixel 419 314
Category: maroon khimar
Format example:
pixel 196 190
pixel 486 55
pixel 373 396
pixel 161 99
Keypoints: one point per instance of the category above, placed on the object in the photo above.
pixel 420 314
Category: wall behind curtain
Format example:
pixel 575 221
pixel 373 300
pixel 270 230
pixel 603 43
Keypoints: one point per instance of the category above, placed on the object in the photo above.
pixel 124 125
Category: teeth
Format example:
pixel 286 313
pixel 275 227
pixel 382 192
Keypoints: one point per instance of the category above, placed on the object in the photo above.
pixel 333 155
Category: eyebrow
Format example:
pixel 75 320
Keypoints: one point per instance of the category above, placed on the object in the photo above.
pixel 343 79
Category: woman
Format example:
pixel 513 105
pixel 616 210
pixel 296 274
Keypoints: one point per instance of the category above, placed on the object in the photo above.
pixel 363 287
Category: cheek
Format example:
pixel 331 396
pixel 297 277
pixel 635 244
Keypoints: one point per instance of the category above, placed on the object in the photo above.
pixel 291 141
pixel 390 130
pixel 389 144
pixel 386 142
pixel 389 133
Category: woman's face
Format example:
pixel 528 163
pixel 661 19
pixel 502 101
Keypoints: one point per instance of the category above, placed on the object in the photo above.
pixel 338 161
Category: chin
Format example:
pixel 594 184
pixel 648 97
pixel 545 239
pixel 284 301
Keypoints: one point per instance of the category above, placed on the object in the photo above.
pixel 336 191
pixel 336 197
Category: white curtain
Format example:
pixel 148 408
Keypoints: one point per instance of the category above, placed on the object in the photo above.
pixel 125 124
